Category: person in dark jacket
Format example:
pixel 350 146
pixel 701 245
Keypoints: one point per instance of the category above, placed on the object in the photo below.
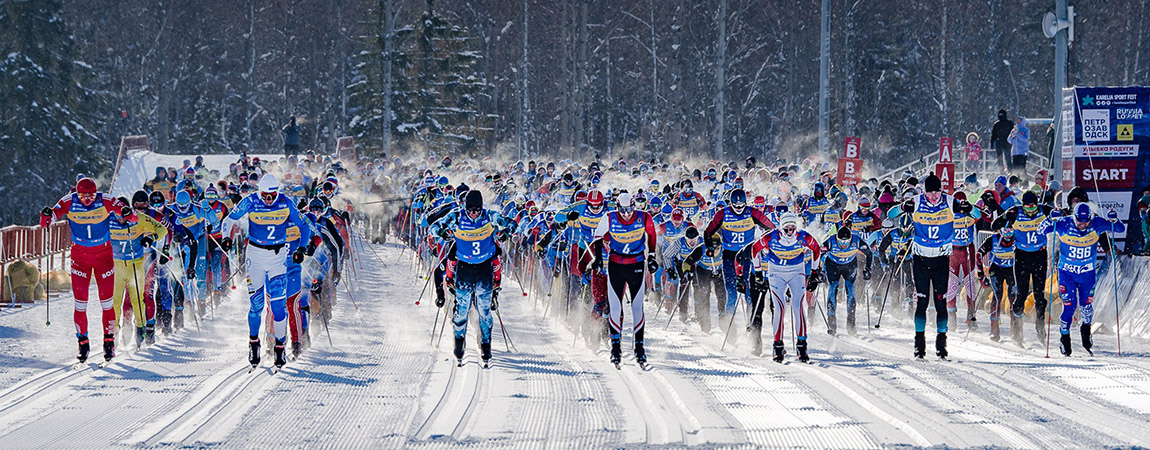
pixel 999 138
pixel 291 137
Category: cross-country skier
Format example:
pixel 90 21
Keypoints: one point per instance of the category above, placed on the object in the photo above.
pixel 933 217
pixel 785 250
pixel 89 214
pixel 474 271
pixel 132 234
pixel 624 244
pixel 1000 249
pixel 842 251
pixel 1078 241
pixel 268 214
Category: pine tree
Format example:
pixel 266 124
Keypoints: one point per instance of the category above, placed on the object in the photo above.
pixel 46 110
pixel 435 86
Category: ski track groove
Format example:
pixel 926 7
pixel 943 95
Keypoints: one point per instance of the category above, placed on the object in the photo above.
pixel 1002 416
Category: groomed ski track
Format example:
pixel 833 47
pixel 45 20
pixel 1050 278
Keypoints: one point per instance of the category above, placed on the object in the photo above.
pixel 382 384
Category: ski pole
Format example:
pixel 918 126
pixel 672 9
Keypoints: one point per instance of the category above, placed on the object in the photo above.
pixel 442 256
pixel 882 308
pixel 435 323
pixel 730 325
pixel 506 336
pixel 683 287
pixel 351 297
pixel 48 294
pixel 454 305
pixel 1049 273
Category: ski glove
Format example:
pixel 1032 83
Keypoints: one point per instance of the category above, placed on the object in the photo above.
pixel 191 273
pixel 652 263
pixel 1112 215
pixel 759 281
pixel 45 217
pixel 495 299
pixel 813 280
pixel 125 211
pixel 226 244
pixel 164 258
pixel 673 275
pixel 147 241
pixel 740 283
pixel 866 274
pixel 297 255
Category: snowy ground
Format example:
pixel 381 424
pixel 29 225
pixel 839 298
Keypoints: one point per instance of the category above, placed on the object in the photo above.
pixel 381 384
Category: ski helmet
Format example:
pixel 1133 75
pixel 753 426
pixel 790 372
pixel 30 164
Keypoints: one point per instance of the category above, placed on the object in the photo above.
pixel 625 203
pixel 595 199
pixel 844 233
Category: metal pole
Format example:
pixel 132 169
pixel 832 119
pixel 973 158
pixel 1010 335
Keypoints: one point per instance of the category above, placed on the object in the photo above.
pixel 824 78
pixel 1060 51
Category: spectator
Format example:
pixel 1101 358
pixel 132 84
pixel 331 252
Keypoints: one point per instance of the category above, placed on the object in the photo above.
pixel 999 137
pixel 973 151
pixel 1020 145
pixel 291 137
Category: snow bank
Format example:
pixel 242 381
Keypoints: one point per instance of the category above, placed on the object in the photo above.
pixel 140 165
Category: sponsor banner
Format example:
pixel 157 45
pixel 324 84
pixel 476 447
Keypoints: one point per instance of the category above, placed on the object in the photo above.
pixel 1106 150
pixel 1118 201
pixel 850 171
pixel 1096 125
pixel 1106 173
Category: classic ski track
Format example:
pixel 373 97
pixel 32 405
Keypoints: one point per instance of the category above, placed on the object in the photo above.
pixel 1038 429
pixel 263 375
pixel 206 403
pixel 38 384
pixel 34 389
pixel 446 408
pixel 849 434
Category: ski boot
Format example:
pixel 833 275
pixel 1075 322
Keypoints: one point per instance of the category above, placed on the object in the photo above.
pixel 832 324
pixel 458 352
pixel 1016 330
pixel 952 317
pixel 150 334
pixel 1064 345
pixel 296 349
pixel 919 344
pixel 485 352
pixel 166 322
pixel 940 346
pixel 254 351
pixel 109 347
pixel 778 348
pixel 640 353
pixel 280 359
pixel 139 337
pixel 178 319
pixel 84 349
pixel 616 352
pixel 995 334
pixel 1041 330
pixel 1087 340
pixel 851 323
pixel 972 322
pixel 802 346
pixel 757 340
pixel 306 338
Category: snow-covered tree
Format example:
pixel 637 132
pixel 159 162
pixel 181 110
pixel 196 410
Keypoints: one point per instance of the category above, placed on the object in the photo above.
pixel 46 110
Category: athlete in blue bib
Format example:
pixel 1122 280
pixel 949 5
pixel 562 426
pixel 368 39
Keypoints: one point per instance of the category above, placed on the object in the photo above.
pixel 1078 242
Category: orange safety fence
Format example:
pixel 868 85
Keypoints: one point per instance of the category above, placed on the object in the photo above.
pixel 29 243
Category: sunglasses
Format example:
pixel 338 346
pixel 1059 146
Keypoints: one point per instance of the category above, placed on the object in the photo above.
pixel 790 229
pixel 269 197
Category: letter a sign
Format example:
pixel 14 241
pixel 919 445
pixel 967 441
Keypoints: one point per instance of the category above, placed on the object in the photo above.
pixel 850 165
pixel 945 172
pixel 945 150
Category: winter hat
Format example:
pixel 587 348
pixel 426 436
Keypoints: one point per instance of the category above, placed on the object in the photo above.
pixel 1001 180
pixel 1082 212
pixel 932 183
pixel 1029 197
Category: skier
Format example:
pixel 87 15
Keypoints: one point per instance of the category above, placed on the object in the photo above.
pixel 89 214
pixel 736 226
pixel 1001 251
pixel 784 249
pixel 131 234
pixel 962 259
pixel 268 214
pixel 1031 228
pixel 474 271
pixel 624 241
pixel 842 251
pixel 1078 241
pixel 933 217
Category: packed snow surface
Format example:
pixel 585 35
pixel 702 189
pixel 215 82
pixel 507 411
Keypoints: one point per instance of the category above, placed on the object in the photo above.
pixel 381 383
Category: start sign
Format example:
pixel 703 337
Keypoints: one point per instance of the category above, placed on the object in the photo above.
pixel 1106 174
pixel 850 171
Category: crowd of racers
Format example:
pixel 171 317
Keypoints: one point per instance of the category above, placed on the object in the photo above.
pixel 595 242
pixel 716 245
pixel 170 253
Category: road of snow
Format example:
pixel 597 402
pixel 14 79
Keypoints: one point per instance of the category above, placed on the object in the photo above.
pixel 382 383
